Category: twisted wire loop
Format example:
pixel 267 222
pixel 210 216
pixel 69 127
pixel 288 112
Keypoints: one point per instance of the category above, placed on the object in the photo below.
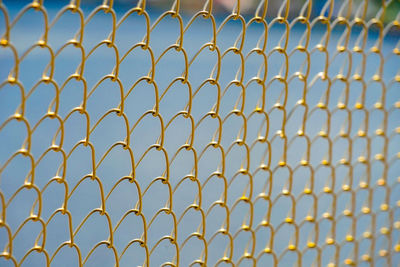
pixel 307 174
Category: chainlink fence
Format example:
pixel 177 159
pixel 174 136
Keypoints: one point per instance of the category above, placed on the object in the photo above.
pixel 147 137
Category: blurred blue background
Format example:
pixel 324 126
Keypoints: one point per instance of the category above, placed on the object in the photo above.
pixel 117 164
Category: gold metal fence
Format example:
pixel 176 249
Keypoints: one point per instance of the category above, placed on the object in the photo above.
pixel 294 164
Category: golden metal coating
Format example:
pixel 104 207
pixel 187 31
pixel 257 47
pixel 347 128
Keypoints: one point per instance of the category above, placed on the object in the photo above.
pixel 330 166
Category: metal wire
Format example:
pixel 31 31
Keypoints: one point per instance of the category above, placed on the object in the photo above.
pixel 331 155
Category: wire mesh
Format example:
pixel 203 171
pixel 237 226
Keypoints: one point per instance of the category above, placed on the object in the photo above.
pixel 206 141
